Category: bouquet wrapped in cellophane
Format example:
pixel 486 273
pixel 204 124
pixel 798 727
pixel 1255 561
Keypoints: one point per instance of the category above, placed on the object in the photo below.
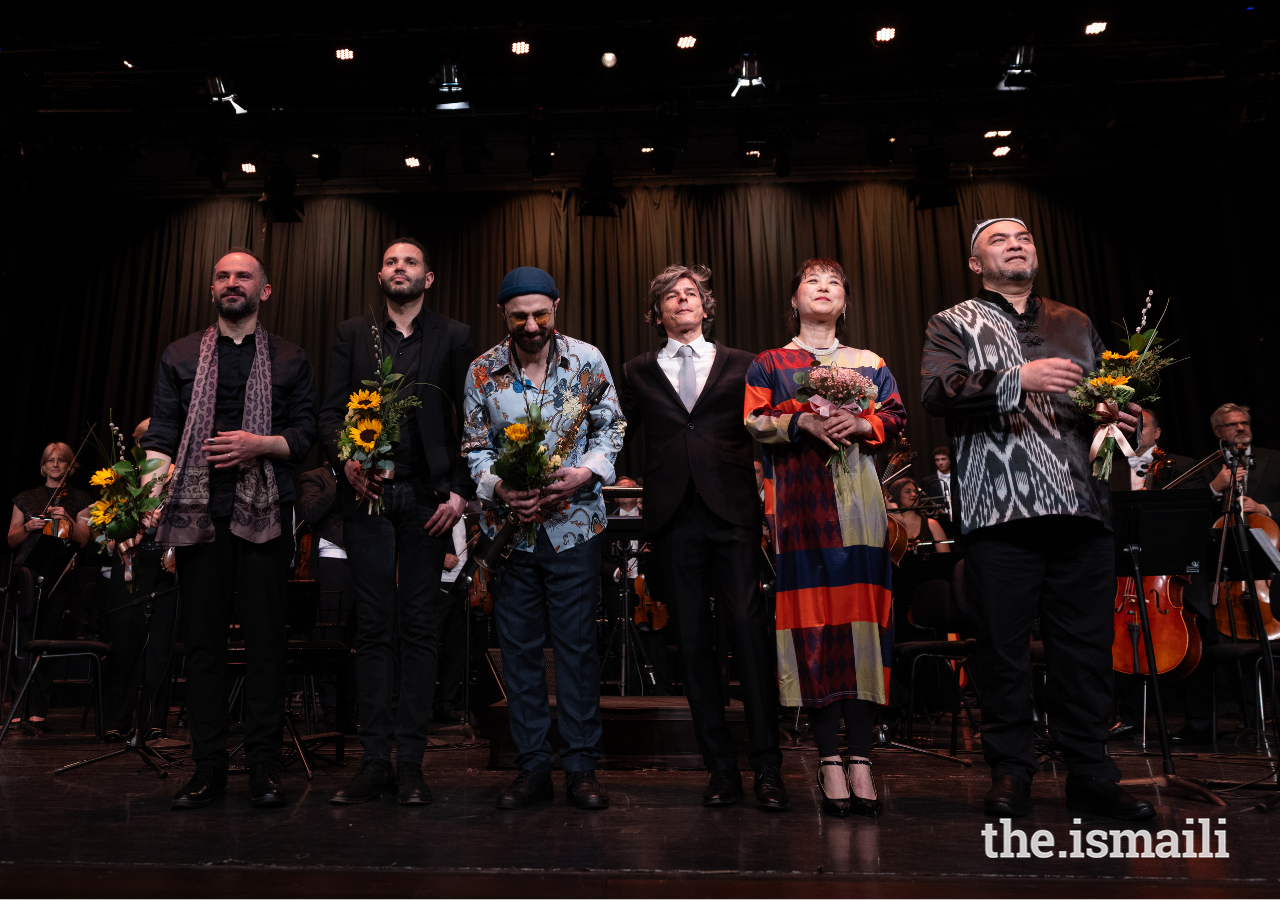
pixel 1121 378
pixel 524 463
pixel 118 514
pixel 372 424
pixel 829 388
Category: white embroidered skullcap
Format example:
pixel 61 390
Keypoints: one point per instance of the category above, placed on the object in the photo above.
pixel 977 229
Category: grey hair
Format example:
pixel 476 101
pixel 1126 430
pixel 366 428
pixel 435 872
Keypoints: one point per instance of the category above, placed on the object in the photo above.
pixel 977 229
pixel 1222 411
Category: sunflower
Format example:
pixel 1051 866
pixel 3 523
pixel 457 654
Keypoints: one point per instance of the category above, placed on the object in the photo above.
pixel 1127 357
pixel 1109 381
pixel 365 434
pixel 101 513
pixel 516 432
pixel 104 478
pixel 365 400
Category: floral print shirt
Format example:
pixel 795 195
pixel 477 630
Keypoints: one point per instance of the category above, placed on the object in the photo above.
pixel 498 394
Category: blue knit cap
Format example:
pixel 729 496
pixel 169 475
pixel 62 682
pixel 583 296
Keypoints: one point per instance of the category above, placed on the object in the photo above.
pixel 527 280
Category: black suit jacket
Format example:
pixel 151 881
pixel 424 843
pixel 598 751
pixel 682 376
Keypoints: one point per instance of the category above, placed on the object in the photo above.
pixel 709 444
pixel 1264 479
pixel 446 353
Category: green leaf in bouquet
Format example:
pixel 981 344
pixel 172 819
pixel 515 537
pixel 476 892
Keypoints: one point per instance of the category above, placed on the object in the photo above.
pixel 360 455
pixel 368 383
pixel 151 465
pixel 384 448
pixel 386 367
pixel 393 378
pixel 124 468
pixel 387 465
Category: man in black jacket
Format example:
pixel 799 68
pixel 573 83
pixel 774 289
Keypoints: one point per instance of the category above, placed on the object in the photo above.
pixel 702 517
pixel 421 500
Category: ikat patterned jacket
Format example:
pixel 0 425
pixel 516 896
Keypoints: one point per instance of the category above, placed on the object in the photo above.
pixel 497 395
pixel 1018 455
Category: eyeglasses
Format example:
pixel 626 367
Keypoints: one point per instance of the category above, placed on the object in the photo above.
pixel 519 320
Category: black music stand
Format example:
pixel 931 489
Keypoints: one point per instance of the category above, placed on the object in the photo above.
pixel 1159 531
pixel 621 531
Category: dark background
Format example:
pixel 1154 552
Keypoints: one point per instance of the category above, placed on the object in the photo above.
pixel 1143 159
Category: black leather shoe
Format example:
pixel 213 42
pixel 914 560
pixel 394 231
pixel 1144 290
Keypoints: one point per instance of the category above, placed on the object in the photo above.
pixel 1192 735
pixel 1009 796
pixel 584 791
pixel 1105 797
pixel 265 788
pixel 373 777
pixel 771 793
pixel 529 788
pixel 411 790
pixel 723 789
pixel 202 789
pixel 1120 730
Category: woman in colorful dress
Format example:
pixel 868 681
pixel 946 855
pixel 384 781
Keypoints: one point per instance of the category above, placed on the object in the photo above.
pixel 834 614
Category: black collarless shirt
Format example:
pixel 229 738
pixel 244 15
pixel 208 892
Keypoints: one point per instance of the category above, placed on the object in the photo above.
pixel 293 406
pixel 406 354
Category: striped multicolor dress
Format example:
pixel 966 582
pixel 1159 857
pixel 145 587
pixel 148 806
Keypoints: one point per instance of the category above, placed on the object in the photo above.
pixel 835 616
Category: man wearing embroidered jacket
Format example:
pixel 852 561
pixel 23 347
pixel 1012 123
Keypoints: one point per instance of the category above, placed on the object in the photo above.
pixel 1037 525
pixel 553 581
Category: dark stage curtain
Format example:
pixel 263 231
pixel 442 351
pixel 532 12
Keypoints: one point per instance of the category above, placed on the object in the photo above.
pixel 92 306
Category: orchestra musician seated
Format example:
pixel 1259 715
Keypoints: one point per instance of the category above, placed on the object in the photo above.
pixel 1152 467
pixel 922 531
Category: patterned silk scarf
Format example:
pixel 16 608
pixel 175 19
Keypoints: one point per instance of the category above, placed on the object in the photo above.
pixel 256 514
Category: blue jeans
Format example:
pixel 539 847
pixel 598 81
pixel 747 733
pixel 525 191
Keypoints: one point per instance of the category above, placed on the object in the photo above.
pixel 558 589
pixel 415 609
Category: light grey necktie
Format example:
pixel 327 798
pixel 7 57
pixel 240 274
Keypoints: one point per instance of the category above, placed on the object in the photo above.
pixel 688 380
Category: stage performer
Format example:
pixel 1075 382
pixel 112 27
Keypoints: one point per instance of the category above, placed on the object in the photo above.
pixel 237 407
pixel 422 499
pixel 553 584
pixel 1037 523
pixel 702 517
pixel 834 610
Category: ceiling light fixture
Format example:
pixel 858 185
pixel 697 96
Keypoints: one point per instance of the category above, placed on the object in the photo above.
pixel 1095 28
pixel 127 64
pixel 1000 151
pixel 686 42
pixel 412 162
pixel 886 34
pixel 520 48
pixel 451 96
pixel 248 168
pixel 344 53
pixel 609 60
pixel 749 76
pixel 991 134
pixel 220 94
pixel 646 149
pixel 1018 75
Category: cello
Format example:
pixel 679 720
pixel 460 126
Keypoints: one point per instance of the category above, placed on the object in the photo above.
pixel 1174 636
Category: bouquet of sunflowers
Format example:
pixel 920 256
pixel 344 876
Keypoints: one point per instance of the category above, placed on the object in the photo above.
pixel 372 424
pixel 118 515
pixel 829 388
pixel 1121 378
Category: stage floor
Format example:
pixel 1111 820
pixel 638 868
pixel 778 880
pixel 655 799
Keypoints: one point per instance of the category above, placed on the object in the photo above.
pixel 107 830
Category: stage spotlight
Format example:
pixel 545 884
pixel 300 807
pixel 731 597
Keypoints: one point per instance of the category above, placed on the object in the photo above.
pixel 991 134
pixel 609 60
pixel 412 162
pixel 1000 151
pixel 646 149
pixel 1095 28
pixel 127 64
pixel 749 74
pixel 220 94
pixel 315 155
pixel 451 94
pixel 344 54
pixel 884 35
pixel 1018 75
pixel 520 48
pixel 932 187
pixel 754 153
pixel 248 168
pixel 686 42
pixel 599 197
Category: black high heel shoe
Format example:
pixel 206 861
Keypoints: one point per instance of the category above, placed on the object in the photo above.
pixel 838 808
pixel 862 807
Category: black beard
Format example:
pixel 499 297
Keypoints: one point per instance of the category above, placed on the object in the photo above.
pixel 403 294
pixel 1018 274
pixel 532 344
pixel 236 307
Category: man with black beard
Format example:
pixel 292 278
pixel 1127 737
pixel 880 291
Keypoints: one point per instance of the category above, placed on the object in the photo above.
pixel 234 408
pixel 395 557
pixel 1037 524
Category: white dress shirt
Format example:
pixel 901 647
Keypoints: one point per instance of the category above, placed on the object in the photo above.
pixel 449 576
pixel 704 354
pixel 1138 466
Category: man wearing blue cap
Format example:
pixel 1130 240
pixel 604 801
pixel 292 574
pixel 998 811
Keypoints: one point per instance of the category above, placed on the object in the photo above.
pixel 554 580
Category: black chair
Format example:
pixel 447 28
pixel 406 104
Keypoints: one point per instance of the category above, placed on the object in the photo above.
pixel 935 606
pixel 38 651
pixel 1238 652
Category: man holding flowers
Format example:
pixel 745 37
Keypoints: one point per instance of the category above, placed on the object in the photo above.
pixel 1002 369
pixel 401 488
pixel 530 450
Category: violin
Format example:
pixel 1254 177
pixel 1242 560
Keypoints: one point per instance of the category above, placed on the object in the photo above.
pixel 1174 637
pixel 650 614
pixel 479 599
pixel 897 541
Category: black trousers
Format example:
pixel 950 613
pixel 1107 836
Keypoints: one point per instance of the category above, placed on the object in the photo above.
pixel 453 642
pixel 377 548
pixel 695 550
pixel 1062 569
pixel 337 696
pixel 215 576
